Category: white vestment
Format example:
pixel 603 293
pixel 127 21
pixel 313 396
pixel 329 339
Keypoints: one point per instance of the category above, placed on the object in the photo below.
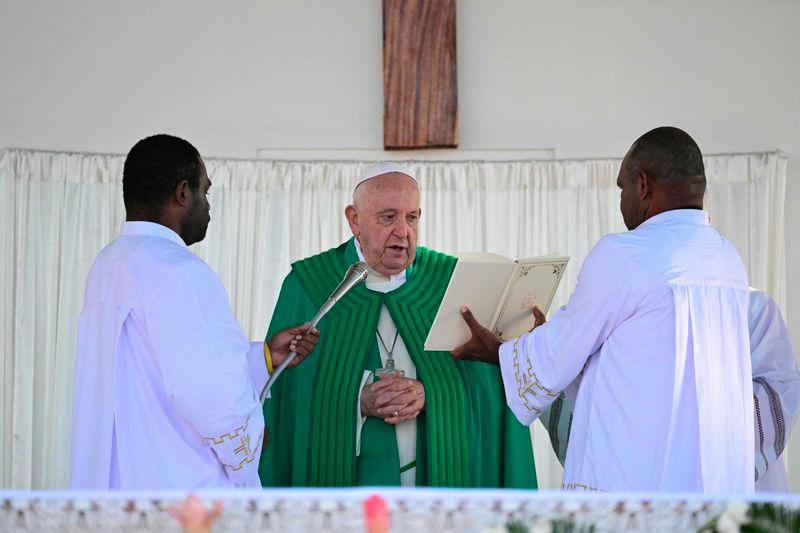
pixel 776 391
pixel 166 383
pixel 776 396
pixel 658 326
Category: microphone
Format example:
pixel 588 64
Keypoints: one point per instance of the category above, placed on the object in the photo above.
pixel 355 275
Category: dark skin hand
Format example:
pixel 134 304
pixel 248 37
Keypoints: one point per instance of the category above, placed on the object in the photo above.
pixel 538 318
pixel 484 345
pixel 293 340
pixel 402 395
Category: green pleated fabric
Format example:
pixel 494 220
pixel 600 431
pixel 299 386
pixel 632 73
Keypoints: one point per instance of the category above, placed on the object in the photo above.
pixel 352 325
pixel 413 308
pixel 466 436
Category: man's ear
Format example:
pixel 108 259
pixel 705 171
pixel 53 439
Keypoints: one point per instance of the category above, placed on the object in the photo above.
pixel 183 193
pixel 351 213
pixel 644 185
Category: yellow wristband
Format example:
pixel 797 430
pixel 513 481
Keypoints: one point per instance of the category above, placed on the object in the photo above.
pixel 268 357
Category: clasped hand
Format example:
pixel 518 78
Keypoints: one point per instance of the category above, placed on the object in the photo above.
pixel 395 399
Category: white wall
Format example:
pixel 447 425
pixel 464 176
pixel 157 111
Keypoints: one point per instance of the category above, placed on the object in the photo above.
pixel 585 78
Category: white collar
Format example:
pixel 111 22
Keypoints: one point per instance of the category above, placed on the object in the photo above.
pixel 142 227
pixel 376 276
pixel 690 216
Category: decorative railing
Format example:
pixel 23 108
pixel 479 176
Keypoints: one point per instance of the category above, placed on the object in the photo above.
pixel 439 510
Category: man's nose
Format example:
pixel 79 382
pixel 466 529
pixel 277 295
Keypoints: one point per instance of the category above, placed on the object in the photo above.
pixel 401 228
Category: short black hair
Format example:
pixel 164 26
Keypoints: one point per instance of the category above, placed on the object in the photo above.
pixel 154 167
pixel 669 155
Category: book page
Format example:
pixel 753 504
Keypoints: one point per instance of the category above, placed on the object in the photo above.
pixel 479 285
pixel 536 283
pixel 483 257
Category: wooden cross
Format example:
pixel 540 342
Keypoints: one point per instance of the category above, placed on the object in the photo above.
pixel 420 96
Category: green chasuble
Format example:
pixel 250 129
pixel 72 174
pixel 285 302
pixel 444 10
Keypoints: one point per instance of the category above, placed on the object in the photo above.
pixel 466 436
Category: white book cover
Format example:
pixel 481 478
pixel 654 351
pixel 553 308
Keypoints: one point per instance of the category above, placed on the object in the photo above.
pixel 500 292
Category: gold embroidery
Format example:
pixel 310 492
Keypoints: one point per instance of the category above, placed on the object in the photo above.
pixel 244 446
pixel 579 486
pixel 250 455
pixel 246 460
pixel 538 383
pixel 527 387
pixel 229 436
pixel 523 383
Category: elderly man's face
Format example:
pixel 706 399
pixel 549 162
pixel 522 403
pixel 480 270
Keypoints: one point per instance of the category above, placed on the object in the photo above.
pixel 385 217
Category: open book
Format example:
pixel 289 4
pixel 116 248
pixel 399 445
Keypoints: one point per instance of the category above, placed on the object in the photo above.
pixel 501 294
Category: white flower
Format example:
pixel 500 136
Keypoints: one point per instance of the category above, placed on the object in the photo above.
pixel 734 517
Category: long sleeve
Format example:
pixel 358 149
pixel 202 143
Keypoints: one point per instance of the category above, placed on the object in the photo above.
pixel 776 390
pixel 257 363
pixel 557 420
pixel 539 365
pixel 202 354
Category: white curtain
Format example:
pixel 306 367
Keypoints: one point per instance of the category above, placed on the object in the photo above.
pixel 58 210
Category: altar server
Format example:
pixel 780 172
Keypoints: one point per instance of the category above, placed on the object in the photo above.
pixel 657 324
pixel 776 396
pixel 166 383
